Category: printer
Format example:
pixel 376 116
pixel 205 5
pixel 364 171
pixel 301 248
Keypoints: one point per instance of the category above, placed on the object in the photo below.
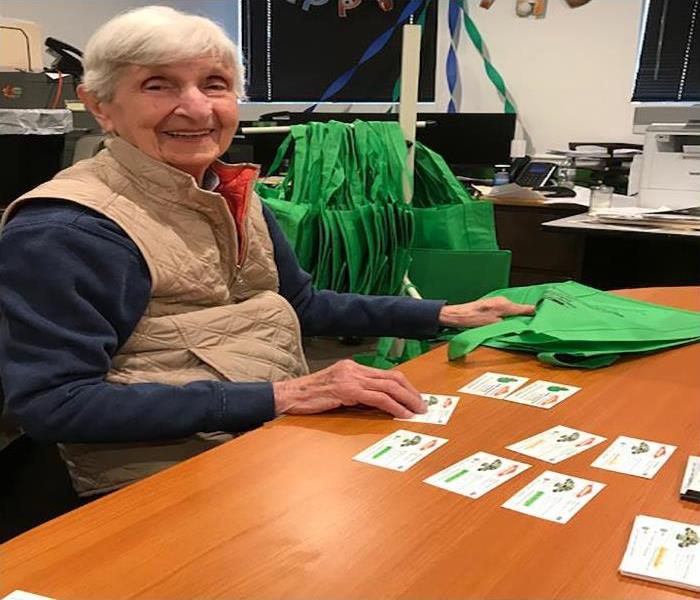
pixel 670 173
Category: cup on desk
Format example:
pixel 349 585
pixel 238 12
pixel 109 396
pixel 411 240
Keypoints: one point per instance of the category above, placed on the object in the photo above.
pixel 601 199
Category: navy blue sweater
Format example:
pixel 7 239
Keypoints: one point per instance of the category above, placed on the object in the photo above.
pixel 72 288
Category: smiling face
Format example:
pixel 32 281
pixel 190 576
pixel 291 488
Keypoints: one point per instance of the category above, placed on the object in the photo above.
pixel 183 114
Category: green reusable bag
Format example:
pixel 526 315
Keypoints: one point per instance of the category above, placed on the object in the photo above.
pixel 446 216
pixel 461 226
pixel 458 275
pixel 579 326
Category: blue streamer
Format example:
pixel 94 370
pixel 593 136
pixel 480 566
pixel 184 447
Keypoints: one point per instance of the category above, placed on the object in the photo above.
pixel 375 47
pixel 451 68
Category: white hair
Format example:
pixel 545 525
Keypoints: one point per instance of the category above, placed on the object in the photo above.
pixel 154 35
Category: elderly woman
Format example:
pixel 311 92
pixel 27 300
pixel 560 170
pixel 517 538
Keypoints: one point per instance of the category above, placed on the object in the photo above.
pixel 151 306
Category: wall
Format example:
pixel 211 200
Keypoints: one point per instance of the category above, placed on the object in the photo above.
pixel 571 73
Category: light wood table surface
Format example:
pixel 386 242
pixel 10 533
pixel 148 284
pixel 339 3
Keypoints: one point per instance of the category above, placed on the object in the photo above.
pixel 283 512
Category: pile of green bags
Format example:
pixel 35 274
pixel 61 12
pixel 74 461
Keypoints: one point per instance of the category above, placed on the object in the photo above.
pixel 579 326
pixel 341 204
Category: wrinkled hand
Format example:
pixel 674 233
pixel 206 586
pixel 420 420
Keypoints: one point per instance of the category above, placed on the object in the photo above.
pixel 347 383
pixel 482 312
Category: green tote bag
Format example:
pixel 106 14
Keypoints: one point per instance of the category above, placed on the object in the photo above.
pixel 579 326
pixel 446 216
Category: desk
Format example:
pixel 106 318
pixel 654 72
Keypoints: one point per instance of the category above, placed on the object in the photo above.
pixel 538 257
pixel 585 223
pixel 624 256
pixel 284 512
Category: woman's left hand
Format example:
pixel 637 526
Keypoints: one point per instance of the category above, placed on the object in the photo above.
pixel 482 312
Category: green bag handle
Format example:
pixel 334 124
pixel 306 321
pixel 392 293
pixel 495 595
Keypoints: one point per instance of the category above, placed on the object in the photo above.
pixel 281 153
pixel 463 343
pixel 332 179
pixel 438 183
pixel 299 164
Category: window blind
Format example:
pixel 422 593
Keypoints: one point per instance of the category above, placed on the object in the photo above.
pixel 669 62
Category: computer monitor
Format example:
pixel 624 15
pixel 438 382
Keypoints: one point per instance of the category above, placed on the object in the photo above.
pixel 464 140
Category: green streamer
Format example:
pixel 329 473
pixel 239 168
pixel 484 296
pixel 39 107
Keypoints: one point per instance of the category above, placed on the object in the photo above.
pixel 491 71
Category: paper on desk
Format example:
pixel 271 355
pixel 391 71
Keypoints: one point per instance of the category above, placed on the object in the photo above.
pixel 636 212
pixel 21 595
pixel 582 198
pixel 514 191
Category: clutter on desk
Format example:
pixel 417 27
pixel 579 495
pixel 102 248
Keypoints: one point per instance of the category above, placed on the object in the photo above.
pixel 687 219
pixel 605 162
pixel 551 194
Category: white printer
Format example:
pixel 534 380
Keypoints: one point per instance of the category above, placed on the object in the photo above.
pixel 671 165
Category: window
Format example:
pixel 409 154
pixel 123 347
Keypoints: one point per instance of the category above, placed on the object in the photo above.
pixel 669 62
pixel 295 49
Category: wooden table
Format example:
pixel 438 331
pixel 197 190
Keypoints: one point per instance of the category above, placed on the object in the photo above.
pixel 284 511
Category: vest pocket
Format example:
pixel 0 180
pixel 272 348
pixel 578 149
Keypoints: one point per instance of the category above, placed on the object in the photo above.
pixel 252 360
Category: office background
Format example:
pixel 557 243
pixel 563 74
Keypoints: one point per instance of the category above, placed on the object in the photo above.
pixel 571 73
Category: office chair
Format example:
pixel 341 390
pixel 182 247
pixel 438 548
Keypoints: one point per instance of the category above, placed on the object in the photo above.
pixel 35 484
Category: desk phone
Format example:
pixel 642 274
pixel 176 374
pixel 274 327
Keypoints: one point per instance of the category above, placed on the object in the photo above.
pixel 536 174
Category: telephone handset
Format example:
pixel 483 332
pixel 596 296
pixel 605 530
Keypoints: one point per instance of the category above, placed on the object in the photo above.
pixel 532 173
pixel 68 58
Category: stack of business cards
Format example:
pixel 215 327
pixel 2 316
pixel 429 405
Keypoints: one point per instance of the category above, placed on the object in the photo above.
pixel 690 488
pixel 663 551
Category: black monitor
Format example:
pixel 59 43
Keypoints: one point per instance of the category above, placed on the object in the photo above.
pixel 464 140
pixel 467 140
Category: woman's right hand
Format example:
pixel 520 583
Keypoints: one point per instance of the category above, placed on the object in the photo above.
pixel 347 383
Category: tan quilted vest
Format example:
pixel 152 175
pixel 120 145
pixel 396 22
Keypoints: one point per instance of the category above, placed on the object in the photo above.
pixel 214 311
